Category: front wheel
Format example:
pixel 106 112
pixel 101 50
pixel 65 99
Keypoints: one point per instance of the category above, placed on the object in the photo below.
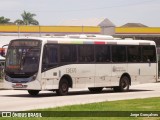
pixel 33 92
pixel 63 87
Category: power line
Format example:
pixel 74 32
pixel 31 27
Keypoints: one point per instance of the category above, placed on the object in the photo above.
pixel 88 9
pixel 101 8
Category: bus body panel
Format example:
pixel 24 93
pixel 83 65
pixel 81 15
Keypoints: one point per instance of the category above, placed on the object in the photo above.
pixel 103 75
pixel 82 76
pixel 117 71
pixel 50 79
pixel 142 73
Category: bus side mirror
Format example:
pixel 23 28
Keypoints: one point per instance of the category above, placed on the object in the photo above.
pixel 3 50
pixel 2 53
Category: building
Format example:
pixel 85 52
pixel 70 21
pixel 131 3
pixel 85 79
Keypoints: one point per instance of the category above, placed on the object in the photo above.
pixel 138 31
pixel 134 25
pixel 107 27
pixel 85 26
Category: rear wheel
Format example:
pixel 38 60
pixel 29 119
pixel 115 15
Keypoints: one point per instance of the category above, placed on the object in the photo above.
pixel 123 86
pixel 63 87
pixel 33 92
pixel 95 90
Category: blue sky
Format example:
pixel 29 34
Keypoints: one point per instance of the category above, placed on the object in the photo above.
pixel 52 12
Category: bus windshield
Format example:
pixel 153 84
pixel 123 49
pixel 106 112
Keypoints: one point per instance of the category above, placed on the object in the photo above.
pixel 22 59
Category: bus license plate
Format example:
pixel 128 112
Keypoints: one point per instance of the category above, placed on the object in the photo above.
pixel 19 85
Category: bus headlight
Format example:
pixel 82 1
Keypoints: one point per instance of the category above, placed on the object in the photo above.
pixel 34 77
pixel 7 78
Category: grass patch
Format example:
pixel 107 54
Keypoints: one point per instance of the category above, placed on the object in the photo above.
pixel 149 104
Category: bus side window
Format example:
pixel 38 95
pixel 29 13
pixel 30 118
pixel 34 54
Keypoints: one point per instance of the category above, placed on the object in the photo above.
pixel 50 57
pixel 118 54
pixel 102 53
pixel 134 54
pixel 68 53
pixel 148 54
pixel 86 53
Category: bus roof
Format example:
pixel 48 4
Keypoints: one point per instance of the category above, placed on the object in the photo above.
pixel 101 39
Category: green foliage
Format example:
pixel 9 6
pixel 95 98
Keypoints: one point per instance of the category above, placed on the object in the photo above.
pixel 4 20
pixel 149 104
pixel 27 19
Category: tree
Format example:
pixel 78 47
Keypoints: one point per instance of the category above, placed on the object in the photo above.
pixel 19 22
pixel 27 19
pixel 4 20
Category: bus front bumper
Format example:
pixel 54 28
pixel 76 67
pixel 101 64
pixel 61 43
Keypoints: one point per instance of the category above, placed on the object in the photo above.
pixel 34 85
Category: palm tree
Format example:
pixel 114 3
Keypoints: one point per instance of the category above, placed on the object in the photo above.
pixel 4 20
pixel 19 22
pixel 27 19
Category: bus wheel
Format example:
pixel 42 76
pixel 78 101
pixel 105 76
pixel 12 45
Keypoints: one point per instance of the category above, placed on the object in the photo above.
pixel 63 87
pixel 33 92
pixel 95 90
pixel 123 86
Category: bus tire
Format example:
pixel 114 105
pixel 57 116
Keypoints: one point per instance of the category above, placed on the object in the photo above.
pixel 33 92
pixel 63 87
pixel 123 85
pixel 95 90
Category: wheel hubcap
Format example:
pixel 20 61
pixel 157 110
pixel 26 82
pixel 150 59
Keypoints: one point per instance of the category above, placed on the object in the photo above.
pixel 64 87
pixel 124 84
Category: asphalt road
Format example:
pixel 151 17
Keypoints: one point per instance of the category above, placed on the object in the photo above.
pixel 15 100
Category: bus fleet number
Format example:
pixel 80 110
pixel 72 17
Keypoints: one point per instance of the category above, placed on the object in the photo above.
pixel 71 70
